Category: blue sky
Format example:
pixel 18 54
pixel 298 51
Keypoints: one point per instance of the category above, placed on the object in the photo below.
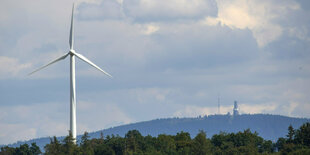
pixel 169 58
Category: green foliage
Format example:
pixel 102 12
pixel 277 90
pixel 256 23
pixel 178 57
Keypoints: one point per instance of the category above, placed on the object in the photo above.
pixel 183 143
pixel 266 147
pixel 290 135
pixel 103 149
pixel 69 147
pixel 34 149
pixel 85 145
pixel 54 147
pixel 21 150
pixel 133 141
pixel 246 142
pixel 297 141
pixel 280 143
pixel 7 150
pixel 201 145
pixel 117 144
pixel 166 144
pixel 301 151
pixel 302 135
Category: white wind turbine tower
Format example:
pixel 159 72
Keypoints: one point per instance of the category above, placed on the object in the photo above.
pixel 72 54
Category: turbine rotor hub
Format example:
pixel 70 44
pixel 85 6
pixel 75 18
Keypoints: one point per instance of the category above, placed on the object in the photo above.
pixel 72 52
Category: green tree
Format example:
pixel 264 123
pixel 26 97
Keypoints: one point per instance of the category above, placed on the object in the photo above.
pixel 288 148
pixel 183 143
pixel 246 138
pixel 201 145
pixel 85 145
pixel 218 139
pixel 302 135
pixel 149 144
pixel 280 143
pixel 103 149
pixel 301 151
pixel 166 144
pixel 290 135
pixel 69 147
pixel 117 144
pixel 297 142
pixel 7 150
pixel 134 140
pixel 34 149
pixel 244 142
pixel 23 150
pixel 266 147
pixel 54 147
pixel 246 150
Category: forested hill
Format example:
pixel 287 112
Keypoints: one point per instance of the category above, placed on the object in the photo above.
pixel 270 127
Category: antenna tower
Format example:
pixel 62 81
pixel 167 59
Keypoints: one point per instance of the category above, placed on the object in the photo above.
pixel 218 105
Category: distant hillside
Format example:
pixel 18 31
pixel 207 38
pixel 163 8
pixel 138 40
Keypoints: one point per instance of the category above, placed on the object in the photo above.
pixel 270 127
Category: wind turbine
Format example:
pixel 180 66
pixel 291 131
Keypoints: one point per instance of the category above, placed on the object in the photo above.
pixel 72 54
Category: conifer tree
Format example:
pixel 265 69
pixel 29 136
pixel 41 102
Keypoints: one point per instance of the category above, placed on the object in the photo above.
pixel 290 135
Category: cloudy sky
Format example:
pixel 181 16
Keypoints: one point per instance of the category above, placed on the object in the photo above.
pixel 170 58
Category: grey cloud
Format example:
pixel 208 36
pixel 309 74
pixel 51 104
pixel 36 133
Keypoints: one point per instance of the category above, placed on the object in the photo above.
pixel 294 42
pixel 305 4
pixel 289 48
pixel 169 10
pixel 180 46
pixel 107 9
pixel 148 11
pixel 203 47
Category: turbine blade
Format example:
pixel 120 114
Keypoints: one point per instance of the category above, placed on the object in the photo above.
pixel 71 37
pixel 80 56
pixel 60 58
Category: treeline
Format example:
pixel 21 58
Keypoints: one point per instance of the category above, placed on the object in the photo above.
pixel 246 142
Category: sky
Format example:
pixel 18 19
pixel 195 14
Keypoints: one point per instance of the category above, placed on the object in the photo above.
pixel 171 58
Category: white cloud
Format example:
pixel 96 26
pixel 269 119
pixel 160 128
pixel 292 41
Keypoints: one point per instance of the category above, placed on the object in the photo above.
pixel 300 32
pixel 145 95
pixel 11 133
pixel 258 16
pixel 93 116
pixel 149 29
pixel 47 119
pixel 194 111
pixel 24 122
pixel 11 67
pixel 266 108
pixel 290 108
pixel 299 109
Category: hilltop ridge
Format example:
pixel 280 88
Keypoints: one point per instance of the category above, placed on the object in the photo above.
pixel 270 127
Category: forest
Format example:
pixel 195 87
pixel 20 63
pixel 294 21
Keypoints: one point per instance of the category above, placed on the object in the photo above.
pixel 297 141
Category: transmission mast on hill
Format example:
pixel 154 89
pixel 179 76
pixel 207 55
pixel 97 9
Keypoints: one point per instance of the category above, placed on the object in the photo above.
pixel 218 105
pixel 236 109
